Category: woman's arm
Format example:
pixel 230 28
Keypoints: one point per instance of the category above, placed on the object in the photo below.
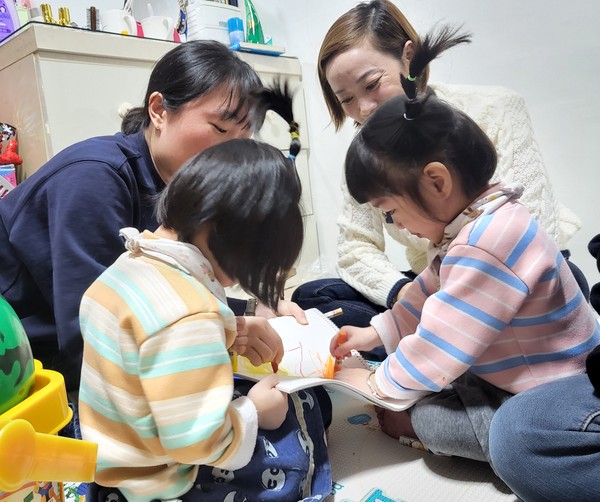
pixel 520 160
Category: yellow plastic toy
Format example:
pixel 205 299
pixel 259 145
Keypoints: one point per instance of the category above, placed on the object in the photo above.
pixel 26 455
pixel 30 450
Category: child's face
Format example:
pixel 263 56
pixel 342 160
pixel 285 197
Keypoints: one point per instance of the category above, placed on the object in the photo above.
pixel 362 78
pixel 405 213
pixel 441 195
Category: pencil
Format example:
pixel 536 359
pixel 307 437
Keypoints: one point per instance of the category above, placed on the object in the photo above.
pixel 334 313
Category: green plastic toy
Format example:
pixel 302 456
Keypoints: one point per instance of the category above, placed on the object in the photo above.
pixel 17 372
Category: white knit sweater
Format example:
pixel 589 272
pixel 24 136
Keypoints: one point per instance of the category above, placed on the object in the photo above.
pixel 502 114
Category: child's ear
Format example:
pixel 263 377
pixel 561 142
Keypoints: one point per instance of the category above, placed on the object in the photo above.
pixel 437 180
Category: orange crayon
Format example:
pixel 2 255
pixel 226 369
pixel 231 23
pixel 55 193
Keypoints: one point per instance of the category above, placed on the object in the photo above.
pixel 342 337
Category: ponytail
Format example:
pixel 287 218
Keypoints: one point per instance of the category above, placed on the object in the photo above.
pixel 278 97
pixel 425 51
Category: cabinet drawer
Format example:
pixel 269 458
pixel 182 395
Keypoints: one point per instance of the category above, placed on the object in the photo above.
pixel 91 91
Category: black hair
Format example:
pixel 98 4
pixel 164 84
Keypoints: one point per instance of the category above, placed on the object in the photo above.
pixel 278 97
pixel 248 193
pixel 404 134
pixel 192 70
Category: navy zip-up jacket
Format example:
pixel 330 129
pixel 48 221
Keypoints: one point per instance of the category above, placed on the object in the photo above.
pixel 59 230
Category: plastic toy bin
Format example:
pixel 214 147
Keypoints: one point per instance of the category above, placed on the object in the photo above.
pixel 30 448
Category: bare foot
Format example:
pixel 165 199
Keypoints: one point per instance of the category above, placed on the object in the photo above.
pixel 395 423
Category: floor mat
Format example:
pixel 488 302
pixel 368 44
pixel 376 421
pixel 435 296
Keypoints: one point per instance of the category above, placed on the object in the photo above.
pixel 369 466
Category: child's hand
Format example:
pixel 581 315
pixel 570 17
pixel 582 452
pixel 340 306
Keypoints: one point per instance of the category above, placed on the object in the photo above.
pixel 356 338
pixel 257 341
pixel 271 404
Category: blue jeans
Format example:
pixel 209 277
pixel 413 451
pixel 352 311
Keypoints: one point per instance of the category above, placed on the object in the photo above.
pixel 330 294
pixel 545 442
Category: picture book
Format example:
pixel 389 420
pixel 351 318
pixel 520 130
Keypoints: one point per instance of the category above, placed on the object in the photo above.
pixel 307 361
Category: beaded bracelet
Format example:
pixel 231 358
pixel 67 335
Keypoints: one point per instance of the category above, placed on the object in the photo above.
pixel 373 387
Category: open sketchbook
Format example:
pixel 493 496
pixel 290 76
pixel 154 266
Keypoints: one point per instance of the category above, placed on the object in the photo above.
pixel 307 359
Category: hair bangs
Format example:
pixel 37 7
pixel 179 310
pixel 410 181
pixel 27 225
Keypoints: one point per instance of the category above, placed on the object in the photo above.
pixel 239 103
pixel 236 106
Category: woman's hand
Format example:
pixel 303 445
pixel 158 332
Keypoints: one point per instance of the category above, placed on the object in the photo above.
pixel 271 404
pixel 355 338
pixel 283 308
pixel 257 341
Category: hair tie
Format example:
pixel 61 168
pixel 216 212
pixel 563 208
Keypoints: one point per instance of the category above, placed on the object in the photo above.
pixel 294 134
pixel 410 79
pixel 408 118
pixel 290 156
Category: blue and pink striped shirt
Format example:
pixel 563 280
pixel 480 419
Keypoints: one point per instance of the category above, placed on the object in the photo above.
pixel 502 303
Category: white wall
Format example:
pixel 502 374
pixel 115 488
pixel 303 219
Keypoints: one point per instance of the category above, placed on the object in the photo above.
pixel 547 50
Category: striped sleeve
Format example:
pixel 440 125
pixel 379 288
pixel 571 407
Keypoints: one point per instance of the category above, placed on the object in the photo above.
pixel 457 324
pixel 157 381
pixel 506 308
pixel 189 388
pixel 407 312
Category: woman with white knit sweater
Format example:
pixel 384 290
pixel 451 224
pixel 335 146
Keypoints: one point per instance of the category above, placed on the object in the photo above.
pixel 359 68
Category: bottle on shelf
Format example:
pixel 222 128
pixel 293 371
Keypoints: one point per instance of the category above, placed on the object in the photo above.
pixel 254 32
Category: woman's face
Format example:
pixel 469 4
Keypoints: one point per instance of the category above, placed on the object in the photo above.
pixel 177 136
pixel 362 78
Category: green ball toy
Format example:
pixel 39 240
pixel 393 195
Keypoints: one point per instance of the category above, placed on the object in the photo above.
pixel 17 371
